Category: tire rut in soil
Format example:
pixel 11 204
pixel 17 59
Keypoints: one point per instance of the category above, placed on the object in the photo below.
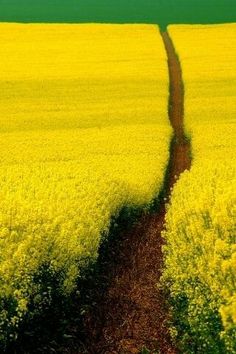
pixel 132 312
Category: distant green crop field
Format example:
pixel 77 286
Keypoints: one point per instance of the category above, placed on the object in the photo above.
pixel 119 11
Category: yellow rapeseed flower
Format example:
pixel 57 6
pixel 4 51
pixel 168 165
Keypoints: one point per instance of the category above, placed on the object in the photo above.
pixel 201 220
pixel 84 132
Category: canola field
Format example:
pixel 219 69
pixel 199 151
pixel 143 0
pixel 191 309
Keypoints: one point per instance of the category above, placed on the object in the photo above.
pixel 84 132
pixel 200 254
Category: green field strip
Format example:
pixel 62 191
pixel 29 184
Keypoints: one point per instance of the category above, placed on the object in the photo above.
pixel 120 11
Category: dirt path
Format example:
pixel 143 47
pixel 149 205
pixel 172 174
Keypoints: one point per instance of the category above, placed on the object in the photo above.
pixel 131 314
pixel 180 155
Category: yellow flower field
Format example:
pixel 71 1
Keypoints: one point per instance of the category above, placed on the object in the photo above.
pixel 84 132
pixel 201 220
pixel 80 76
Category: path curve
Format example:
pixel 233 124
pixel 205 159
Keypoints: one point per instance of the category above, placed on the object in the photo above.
pixel 131 314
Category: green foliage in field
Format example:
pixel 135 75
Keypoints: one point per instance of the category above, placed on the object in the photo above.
pixel 119 11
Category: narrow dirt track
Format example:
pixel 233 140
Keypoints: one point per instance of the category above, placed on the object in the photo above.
pixel 131 313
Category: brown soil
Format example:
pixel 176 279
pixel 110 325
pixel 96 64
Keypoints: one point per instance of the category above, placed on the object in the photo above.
pixel 132 312
pixel 180 159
